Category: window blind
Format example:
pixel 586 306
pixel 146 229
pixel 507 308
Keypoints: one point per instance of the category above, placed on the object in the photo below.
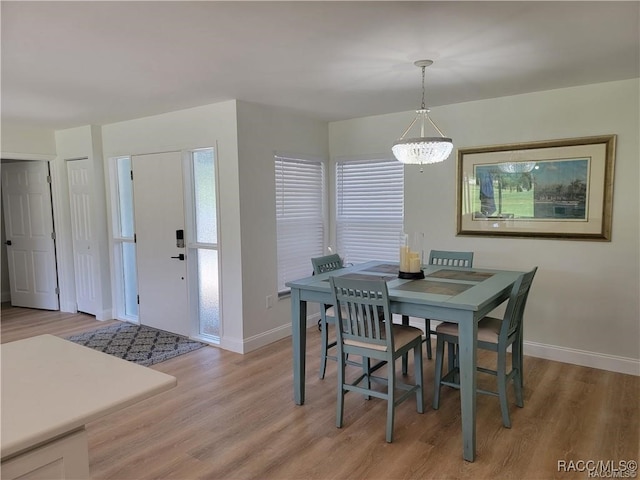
pixel 369 209
pixel 300 217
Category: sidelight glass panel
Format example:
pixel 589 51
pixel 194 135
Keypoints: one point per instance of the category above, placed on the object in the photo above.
pixel 208 292
pixel 206 240
pixel 125 196
pixel 130 279
pixel 205 196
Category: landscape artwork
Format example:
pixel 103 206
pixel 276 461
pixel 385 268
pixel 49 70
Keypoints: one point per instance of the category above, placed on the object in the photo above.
pixel 549 190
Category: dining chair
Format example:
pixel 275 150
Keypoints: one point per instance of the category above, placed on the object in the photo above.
pixel 494 334
pixel 327 263
pixel 364 327
pixel 445 258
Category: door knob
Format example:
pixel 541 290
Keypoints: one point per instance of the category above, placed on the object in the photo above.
pixel 8 242
pixel 180 257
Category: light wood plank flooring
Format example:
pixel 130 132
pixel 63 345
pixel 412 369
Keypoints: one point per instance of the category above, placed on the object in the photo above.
pixel 233 417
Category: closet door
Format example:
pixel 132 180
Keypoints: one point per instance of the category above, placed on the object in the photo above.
pixel 80 174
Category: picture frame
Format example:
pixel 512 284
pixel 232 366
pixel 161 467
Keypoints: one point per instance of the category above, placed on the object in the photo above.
pixel 560 189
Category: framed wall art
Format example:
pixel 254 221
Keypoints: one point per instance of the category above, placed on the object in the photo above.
pixel 546 189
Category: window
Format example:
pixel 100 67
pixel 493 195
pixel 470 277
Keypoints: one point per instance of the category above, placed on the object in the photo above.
pixel 369 209
pixel 299 216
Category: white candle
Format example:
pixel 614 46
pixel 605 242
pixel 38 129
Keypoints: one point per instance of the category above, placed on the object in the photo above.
pixel 414 263
pixel 404 259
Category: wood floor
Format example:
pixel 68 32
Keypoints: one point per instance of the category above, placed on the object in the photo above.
pixel 233 417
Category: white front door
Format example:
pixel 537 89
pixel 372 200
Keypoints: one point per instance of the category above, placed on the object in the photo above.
pixel 28 219
pixel 159 213
pixel 80 174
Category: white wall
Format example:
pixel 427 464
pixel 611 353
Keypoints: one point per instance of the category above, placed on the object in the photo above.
pixel 206 126
pixel 21 140
pixel 583 306
pixel 263 131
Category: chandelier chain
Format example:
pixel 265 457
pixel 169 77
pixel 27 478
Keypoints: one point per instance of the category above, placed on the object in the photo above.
pixel 423 106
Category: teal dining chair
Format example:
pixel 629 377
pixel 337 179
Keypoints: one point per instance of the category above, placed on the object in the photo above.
pixel 494 334
pixel 445 258
pixel 364 327
pixel 327 263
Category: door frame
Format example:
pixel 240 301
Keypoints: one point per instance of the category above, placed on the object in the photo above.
pixel 113 219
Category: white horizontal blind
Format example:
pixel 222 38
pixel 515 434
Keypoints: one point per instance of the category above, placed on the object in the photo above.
pixel 369 209
pixel 300 217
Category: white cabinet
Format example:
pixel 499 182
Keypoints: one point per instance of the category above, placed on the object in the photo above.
pixel 64 458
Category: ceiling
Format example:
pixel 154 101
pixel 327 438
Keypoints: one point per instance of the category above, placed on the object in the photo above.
pixel 67 64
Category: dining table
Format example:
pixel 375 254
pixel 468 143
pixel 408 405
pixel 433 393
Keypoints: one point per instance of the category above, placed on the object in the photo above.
pixel 452 294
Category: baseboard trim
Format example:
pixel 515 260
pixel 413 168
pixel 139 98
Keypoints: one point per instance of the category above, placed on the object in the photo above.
pixel 601 361
pixel 104 315
pixel 265 338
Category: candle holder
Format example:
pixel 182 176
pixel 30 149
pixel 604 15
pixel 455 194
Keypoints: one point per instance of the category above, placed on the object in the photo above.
pixel 411 275
pixel 411 253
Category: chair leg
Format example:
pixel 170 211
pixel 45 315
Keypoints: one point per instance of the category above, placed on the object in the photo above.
pixel 452 363
pixel 502 387
pixel 366 371
pixel 516 365
pixel 340 402
pixel 324 331
pixel 391 399
pixel 417 370
pixel 405 357
pixel 520 356
pixel 438 372
pixel 427 324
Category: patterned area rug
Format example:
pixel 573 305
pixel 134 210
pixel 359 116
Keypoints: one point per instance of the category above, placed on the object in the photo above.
pixel 137 343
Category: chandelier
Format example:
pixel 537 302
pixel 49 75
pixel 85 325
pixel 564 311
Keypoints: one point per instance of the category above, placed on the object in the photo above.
pixel 421 150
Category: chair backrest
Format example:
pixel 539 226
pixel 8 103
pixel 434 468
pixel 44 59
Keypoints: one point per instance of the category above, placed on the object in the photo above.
pixel 451 259
pixel 364 304
pixel 514 313
pixel 327 263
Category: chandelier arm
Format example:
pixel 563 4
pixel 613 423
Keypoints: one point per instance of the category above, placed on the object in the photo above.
pixel 409 127
pixel 435 126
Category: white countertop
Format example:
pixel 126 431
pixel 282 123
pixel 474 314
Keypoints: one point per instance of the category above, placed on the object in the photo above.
pixel 51 386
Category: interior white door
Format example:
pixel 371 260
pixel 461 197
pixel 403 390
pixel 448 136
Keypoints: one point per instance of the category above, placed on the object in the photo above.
pixel 80 175
pixel 159 212
pixel 28 219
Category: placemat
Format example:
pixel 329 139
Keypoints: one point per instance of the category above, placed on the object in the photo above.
pixel 439 288
pixel 385 268
pixel 469 276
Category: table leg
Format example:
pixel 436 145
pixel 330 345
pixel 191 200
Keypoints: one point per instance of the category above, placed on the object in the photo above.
pixel 299 339
pixel 468 354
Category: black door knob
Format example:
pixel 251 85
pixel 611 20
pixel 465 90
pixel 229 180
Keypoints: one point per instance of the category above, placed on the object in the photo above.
pixel 8 242
pixel 180 257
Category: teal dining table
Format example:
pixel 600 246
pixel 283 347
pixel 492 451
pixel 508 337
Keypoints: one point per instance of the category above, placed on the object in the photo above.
pixel 458 295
